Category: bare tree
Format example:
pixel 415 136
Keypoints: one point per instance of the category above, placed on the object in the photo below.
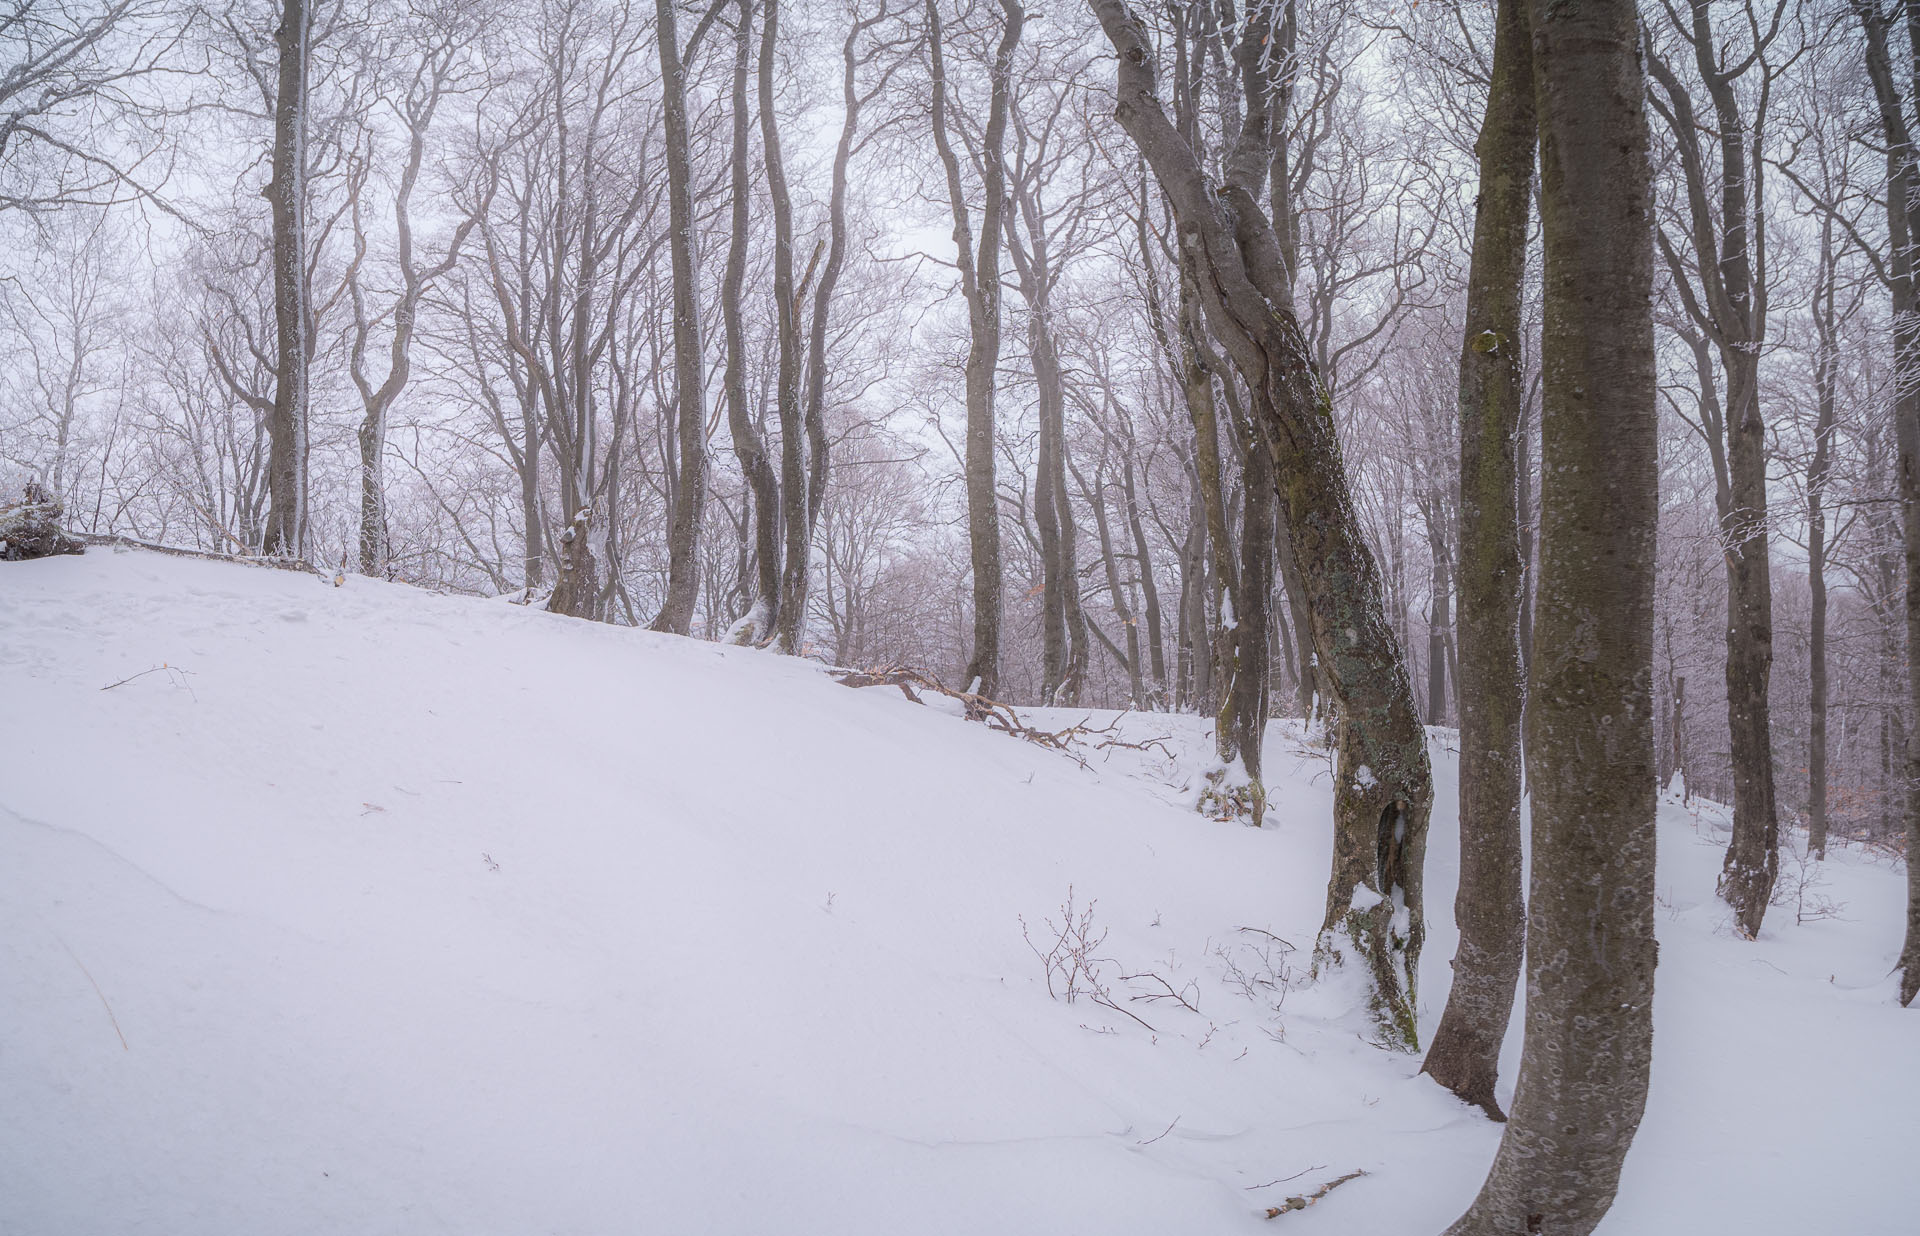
pixel 980 286
pixel 1896 268
pixel 1590 948
pixel 432 52
pixel 1385 792
pixel 689 368
pixel 1465 1054
pixel 72 69
pixel 1724 254
pixel 286 192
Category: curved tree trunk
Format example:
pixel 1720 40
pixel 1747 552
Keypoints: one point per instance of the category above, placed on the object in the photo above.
pixel 1465 1054
pixel 1590 948
pixel 1384 788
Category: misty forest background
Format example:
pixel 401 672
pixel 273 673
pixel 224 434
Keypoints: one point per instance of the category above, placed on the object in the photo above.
pixel 819 445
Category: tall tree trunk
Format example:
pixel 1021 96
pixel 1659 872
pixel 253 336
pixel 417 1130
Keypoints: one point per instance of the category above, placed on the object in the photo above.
pixel 1307 679
pixel 1590 946
pixel 1149 588
pixel 1049 515
pixel 1819 476
pixel 1196 385
pixel 689 375
pixel 1465 1055
pixel 1374 919
pixel 1680 738
pixel 792 622
pixel 1440 617
pixel 980 285
pixel 763 487
pixel 1115 590
pixel 748 444
pixel 286 193
pixel 1903 226
pixel 1254 618
pixel 1753 854
pixel 1728 251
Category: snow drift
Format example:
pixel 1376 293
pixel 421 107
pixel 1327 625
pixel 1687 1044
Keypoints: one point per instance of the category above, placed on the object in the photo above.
pixel 365 910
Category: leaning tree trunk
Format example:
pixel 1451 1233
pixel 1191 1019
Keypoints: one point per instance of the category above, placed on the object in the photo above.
pixel 689 376
pixel 1590 946
pixel 1383 788
pixel 286 532
pixel 1465 1055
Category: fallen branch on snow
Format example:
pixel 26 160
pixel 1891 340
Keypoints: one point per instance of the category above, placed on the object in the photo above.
pixel 1002 717
pixel 1301 1203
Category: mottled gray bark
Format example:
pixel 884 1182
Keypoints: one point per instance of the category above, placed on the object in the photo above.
pixel 1903 226
pixel 1384 791
pixel 1064 649
pixel 795 578
pixel 1590 948
pixel 286 531
pixel 689 376
pixel 980 286
pixel 416 108
pixel 1725 295
pixel 1465 1054
pixel 791 625
pixel 749 445
pixel 1819 476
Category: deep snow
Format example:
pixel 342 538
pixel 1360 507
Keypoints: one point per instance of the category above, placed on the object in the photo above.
pixel 376 911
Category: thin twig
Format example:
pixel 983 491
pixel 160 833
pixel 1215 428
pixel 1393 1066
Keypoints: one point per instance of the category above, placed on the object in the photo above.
pixel 1317 1167
pixel 97 992
pixel 1151 1140
pixel 130 677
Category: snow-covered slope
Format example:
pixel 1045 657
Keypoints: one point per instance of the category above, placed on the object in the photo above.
pixel 374 911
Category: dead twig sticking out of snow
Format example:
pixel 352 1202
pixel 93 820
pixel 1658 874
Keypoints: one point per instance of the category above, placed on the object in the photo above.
pixel 96 991
pixel 1072 963
pixel 1168 994
pixel 1002 717
pixel 1151 1140
pixel 170 670
pixel 1301 1203
pixel 1317 1167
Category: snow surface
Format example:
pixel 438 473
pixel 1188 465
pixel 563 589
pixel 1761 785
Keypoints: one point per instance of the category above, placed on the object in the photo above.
pixel 383 912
